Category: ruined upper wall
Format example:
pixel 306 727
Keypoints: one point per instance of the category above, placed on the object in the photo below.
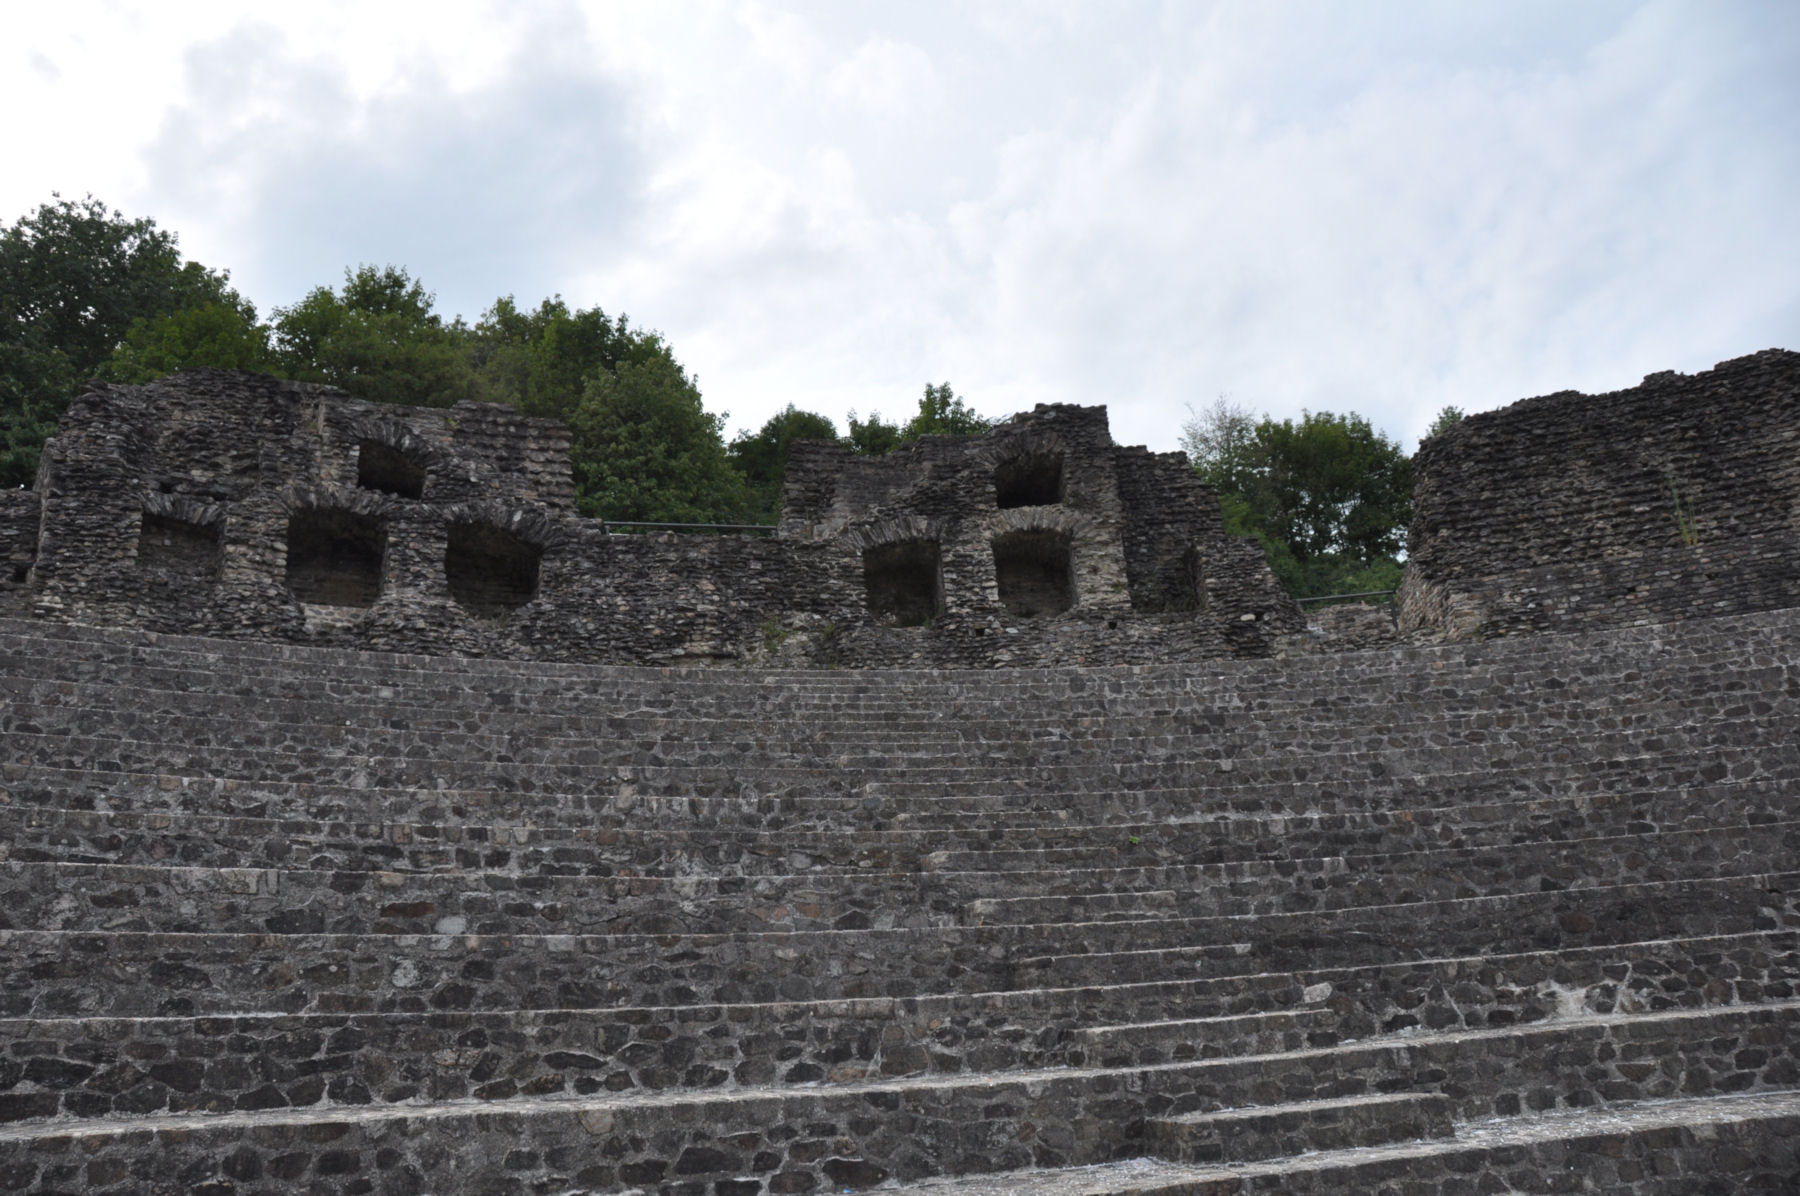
pixel 1121 551
pixel 234 504
pixel 1675 499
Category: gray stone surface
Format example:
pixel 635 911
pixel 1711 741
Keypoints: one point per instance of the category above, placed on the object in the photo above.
pixel 283 918
pixel 1675 499
pixel 281 914
pixel 235 505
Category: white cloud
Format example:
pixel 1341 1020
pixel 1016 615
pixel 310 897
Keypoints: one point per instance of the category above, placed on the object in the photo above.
pixel 482 187
pixel 1382 209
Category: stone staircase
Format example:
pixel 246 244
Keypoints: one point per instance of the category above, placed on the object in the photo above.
pixel 1519 916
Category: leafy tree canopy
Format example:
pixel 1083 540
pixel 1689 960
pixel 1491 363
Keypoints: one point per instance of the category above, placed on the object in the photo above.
pixel 1449 417
pixel 872 437
pixel 645 449
pixel 942 412
pixel 540 360
pixel 223 334
pixel 1328 496
pixel 74 279
pixel 761 456
pixel 377 339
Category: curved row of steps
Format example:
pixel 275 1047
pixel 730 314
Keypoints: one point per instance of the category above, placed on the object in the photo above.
pixel 1662 1148
pixel 862 1133
pixel 280 919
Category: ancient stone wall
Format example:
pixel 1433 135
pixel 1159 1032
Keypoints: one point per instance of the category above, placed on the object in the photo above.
pixel 1679 498
pixel 1042 542
pixel 237 505
pixel 284 918
pixel 18 548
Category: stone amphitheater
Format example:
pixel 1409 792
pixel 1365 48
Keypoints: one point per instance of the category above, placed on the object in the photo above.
pixel 1090 868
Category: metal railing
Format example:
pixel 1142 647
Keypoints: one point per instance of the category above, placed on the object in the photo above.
pixel 609 524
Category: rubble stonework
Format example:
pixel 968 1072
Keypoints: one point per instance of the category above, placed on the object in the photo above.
pixel 233 504
pixel 282 917
pixel 1677 499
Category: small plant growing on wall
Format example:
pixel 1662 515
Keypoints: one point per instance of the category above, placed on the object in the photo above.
pixel 774 635
pixel 1687 524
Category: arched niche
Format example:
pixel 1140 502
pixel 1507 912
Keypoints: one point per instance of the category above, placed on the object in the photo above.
pixel 179 549
pixel 904 581
pixel 1029 480
pixel 491 572
pixel 1033 572
pixel 334 557
pixel 384 468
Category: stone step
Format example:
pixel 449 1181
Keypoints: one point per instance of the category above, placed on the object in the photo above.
pixel 82 707
pixel 73 896
pixel 1175 1040
pixel 43 731
pixel 33 831
pixel 62 974
pixel 1747 1144
pixel 1700 756
pixel 1276 1131
pixel 80 650
pixel 140 1065
pixel 1688 654
pixel 946 1125
pixel 728 800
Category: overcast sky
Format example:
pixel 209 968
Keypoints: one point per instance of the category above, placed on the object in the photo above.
pixel 1361 206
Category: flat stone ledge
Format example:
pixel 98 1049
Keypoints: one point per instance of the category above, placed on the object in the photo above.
pixel 1156 1177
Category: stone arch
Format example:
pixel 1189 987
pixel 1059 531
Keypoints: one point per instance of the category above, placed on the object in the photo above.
pixel 391 458
pixel 493 559
pixel 1028 472
pixel 1034 571
pixel 904 581
pixel 902 568
pixel 335 554
pixel 180 538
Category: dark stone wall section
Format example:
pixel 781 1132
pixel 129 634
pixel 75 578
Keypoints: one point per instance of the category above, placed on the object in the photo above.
pixel 382 467
pixel 19 512
pixel 1031 571
pixel 1029 481
pixel 905 582
pixel 491 572
pixel 334 557
pixel 1677 499
pixel 313 517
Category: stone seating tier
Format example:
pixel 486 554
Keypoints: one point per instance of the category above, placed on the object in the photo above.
pixel 279 918
pixel 98 1065
pixel 40 831
pixel 249 900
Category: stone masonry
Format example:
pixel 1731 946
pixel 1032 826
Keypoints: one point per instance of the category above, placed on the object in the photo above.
pixel 236 505
pixel 283 918
pixel 1678 499
pixel 510 913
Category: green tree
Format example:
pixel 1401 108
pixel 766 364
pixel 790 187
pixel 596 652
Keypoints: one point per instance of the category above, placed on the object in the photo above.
pixel 540 360
pixel 1449 417
pixel 223 334
pixel 942 412
pixel 1331 484
pixel 74 279
pixel 872 437
pixel 378 339
pixel 761 457
pixel 646 449
pixel 1328 496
